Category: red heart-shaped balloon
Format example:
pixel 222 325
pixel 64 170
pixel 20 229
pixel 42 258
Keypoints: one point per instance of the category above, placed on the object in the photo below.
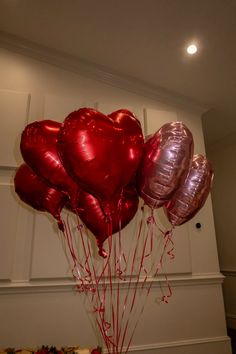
pixel 123 207
pixel 102 153
pixel 34 192
pixel 38 148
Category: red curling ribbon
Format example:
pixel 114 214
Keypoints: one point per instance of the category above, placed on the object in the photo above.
pixel 136 284
pixel 165 297
pixel 100 309
pixel 132 270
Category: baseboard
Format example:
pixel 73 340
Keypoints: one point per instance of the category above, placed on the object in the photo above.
pixel 212 345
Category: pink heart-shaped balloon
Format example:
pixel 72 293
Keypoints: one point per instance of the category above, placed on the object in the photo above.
pixel 166 159
pixel 38 148
pixel 192 193
pixel 102 153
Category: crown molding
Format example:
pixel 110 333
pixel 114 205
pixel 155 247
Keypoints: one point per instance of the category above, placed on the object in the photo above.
pixel 98 72
pixel 68 285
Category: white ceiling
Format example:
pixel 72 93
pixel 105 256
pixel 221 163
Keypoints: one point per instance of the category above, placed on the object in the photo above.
pixel 145 40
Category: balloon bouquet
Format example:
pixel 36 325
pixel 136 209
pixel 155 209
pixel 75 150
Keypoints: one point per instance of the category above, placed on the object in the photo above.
pixel 96 167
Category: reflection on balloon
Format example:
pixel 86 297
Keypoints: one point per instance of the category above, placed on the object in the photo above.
pixel 192 194
pixel 122 208
pixel 101 152
pixel 166 159
pixel 39 150
pixel 37 194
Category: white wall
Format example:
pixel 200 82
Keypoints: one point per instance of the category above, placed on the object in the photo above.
pixel 36 298
pixel 223 156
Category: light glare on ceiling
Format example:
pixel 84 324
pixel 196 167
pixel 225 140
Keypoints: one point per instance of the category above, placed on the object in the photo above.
pixel 192 49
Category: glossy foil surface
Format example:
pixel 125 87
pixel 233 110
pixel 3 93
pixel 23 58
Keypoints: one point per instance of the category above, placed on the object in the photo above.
pixel 192 194
pixel 122 208
pixel 34 192
pixel 166 159
pixel 39 150
pixel 101 152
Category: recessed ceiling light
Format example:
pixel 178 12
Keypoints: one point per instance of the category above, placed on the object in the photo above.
pixel 192 49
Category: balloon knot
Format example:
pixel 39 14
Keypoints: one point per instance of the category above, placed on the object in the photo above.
pixel 168 233
pixel 60 225
pixel 150 220
pixel 108 218
pixel 107 212
pixel 80 226
pixel 102 252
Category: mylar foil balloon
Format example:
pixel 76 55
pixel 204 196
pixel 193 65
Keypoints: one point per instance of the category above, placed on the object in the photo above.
pixel 34 192
pixel 123 207
pixel 38 148
pixel 101 152
pixel 166 159
pixel 192 194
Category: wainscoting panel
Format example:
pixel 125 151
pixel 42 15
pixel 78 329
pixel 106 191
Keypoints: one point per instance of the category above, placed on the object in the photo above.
pixel 48 257
pixel 8 222
pixel 160 329
pixel 154 119
pixel 58 108
pixel 14 108
pixel 180 249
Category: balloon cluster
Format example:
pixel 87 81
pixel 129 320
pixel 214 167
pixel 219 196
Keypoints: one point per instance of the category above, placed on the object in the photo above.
pixel 98 166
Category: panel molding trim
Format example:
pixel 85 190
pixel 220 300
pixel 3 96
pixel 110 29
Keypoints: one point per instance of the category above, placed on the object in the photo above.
pixel 229 272
pixel 180 343
pixel 97 72
pixel 67 285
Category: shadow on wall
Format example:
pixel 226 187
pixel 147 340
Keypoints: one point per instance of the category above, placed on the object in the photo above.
pixel 222 152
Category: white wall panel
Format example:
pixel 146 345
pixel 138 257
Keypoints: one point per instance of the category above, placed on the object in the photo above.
pixel 181 263
pixel 48 257
pixel 44 318
pixel 193 316
pixel 36 107
pixel 8 221
pixel 57 108
pixel 154 119
pixel 13 114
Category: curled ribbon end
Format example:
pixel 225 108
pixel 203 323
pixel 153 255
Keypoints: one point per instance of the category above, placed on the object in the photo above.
pixel 151 220
pixel 164 299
